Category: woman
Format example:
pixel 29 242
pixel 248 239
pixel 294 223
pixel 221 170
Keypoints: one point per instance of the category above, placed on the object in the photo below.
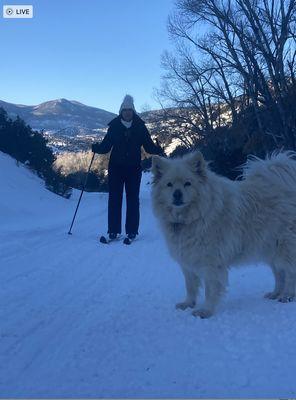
pixel 126 135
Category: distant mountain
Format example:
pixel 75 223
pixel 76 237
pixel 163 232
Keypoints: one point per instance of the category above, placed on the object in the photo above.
pixel 72 126
pixel 66 117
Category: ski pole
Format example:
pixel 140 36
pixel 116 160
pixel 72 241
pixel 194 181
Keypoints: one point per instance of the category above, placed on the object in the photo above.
pixel 84 185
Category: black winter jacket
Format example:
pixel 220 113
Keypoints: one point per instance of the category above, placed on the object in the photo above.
pixel 126 142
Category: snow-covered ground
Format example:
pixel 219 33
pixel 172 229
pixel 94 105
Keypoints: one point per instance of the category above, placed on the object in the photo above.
pixel 81 319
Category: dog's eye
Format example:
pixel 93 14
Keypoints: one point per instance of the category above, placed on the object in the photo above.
pixel 170 184
pixel 187 184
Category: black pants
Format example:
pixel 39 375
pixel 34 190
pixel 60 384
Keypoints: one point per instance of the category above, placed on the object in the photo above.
pixel 118 178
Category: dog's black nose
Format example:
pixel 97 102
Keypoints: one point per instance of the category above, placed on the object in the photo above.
pixel 178 197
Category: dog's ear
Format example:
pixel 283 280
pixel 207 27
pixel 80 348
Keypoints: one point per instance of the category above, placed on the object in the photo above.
pixel 197 163
pixel 157 167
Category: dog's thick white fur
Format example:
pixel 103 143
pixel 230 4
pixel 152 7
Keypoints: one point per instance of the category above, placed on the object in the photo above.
pixel 211 223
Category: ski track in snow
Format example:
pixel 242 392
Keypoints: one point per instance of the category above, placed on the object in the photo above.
pixel 81 319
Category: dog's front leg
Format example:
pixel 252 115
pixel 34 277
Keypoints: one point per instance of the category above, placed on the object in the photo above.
pixel 192 283
pixel 215 284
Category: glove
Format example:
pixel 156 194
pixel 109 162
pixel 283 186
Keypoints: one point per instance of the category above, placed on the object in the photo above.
pixel 95 147
pixel 161 152
pixel 160 149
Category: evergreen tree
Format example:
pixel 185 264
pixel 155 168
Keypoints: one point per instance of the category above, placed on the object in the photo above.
pixel 30 147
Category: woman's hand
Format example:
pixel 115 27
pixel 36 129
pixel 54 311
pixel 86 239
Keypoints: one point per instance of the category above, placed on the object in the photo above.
pixel 95 147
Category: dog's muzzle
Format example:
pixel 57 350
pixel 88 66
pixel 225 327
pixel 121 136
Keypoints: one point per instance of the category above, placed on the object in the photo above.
pixel 178 198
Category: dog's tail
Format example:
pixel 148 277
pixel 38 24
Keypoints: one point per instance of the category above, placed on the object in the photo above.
pixel 278 167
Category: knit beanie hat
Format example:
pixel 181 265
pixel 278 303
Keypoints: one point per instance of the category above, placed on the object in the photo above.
pixel 128 102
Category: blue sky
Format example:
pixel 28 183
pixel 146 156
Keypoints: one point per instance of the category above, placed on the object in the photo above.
pixel 91 51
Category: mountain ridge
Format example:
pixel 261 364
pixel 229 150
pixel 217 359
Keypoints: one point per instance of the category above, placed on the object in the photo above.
pixel 61 114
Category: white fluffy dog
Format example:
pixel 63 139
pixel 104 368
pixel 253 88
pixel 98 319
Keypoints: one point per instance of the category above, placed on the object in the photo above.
pixel 211 222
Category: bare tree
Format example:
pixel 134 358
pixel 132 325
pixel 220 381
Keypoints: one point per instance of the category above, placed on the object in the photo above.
pixel 239 53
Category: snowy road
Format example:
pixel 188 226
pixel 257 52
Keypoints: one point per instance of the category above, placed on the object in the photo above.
pixel 80 319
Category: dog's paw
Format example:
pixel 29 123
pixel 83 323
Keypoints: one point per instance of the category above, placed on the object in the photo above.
pixel 184 305
pixel 271 295
pixel 202 313
pixel 286 298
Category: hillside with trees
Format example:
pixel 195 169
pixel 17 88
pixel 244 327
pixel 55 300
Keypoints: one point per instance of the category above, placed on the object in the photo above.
pixel 230 82
pixel 29 147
